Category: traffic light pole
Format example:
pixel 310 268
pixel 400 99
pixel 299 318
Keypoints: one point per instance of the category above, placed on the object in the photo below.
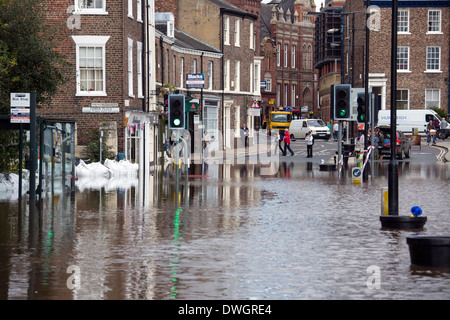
pixel 393 164
pixel 366 93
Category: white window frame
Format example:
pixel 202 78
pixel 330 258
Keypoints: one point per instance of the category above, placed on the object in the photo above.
pixel 193 65
pixel 403 59
pixel 237 75
pixel 293 53
pixel 237 32
pixel 403 21
pixel 268 80
pixel 210 74
pixel 429 57
pixel 251 44
pixel 285 54
pixel 432 91
pixel 399 98
pixel 181 74
pixel 139 10
pixel 130 9
pixel 130 68
pixel 278 54
pixel 80 10
pixel 226 31
pixel 226 75
pixel 139 71
pixel 257 77
pixel 90 41
pixel 439 22
pixel 293 94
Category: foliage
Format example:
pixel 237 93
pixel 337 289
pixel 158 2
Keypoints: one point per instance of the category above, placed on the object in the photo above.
pixel 440 112
pixel 9 149
pixel 93 147
pixel 29 60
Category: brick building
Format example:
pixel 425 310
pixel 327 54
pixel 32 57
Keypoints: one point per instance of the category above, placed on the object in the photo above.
pixel 423 42
pixel 287 33
pixel 110 86
pixel 231 30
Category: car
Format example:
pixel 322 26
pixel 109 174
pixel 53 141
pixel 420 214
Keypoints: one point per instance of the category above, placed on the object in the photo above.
pixel 403 143
pixel 443 133
pixel 299 128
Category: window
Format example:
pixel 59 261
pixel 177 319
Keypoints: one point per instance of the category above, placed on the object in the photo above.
pixel 256 77
pixel 130 67
pixel 226 74
pixel 432 98
pixel 237 32
pixel 307 57
pixel 139 10
pixel 294 48
pixel 434 20
pixel 90 6
pixel 139 70
pixel 403 99
pixel 210 74
pixel 251 44
pixel 226 31
pixel 193 66
pixel 237 71
pixel 268 80
pixel 130 8
pixel 90 65
pixel 278 94
pixel 285 55
pixel 278 54
pixel 171 28
pixel 285 96
pixel 293 95
pixel 433 58
pixel 403 58
pixel 403 21
pixel 181 72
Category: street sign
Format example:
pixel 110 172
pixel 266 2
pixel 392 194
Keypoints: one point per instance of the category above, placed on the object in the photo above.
pixel 20 107
pixel 195 80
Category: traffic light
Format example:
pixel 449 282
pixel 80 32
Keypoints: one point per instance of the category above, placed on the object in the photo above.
pixel 341 102
pixel 361 109
pixel 176 111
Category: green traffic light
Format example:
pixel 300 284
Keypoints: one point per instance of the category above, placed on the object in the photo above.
pixel 176 122
pixel 342 113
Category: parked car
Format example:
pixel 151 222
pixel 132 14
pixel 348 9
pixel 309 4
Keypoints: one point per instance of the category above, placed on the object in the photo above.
pixel 403 143
pixel 443 133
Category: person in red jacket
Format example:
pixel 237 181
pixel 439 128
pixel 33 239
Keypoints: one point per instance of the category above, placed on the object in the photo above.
pixel 287 143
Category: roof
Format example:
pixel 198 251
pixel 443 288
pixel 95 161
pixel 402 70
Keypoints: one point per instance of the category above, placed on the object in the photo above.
pixel 228 7
pixel 184 40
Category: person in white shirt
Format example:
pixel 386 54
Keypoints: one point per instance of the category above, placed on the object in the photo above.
pixel 309 144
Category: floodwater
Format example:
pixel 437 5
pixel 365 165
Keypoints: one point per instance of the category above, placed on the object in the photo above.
pixel 225 232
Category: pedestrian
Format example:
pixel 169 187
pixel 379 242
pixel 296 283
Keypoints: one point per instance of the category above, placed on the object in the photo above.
pixel 206 142
pixel 281 140
pixel 244 134
pixel 444 128
pixel 436 129
pixel 287 143
pixel 335 131
pixel 309 144
pixel 431 131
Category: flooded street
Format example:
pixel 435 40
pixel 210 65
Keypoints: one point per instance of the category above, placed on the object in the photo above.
pixel 224 232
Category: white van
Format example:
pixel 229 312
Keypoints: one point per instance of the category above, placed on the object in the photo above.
pixel 407 120
pixel 299 129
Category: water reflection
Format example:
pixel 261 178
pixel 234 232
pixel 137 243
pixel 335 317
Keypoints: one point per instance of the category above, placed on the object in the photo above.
pixel 223 232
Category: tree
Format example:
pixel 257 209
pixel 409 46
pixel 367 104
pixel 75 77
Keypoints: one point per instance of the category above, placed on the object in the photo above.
pixel 29 60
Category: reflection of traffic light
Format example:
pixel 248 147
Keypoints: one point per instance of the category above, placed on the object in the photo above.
pixel 176 111
pixel 341 101
pixel 361 102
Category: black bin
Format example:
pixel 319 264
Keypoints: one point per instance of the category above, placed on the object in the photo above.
pixel 429 251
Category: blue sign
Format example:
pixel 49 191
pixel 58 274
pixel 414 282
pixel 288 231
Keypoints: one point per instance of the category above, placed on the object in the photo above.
pixel 195 80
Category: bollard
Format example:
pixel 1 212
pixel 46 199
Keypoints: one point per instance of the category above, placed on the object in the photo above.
pixel 356 175
pixel 429 251
pixel 384 201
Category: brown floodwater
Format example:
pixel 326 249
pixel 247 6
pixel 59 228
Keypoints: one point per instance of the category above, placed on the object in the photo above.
pixel 224 232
